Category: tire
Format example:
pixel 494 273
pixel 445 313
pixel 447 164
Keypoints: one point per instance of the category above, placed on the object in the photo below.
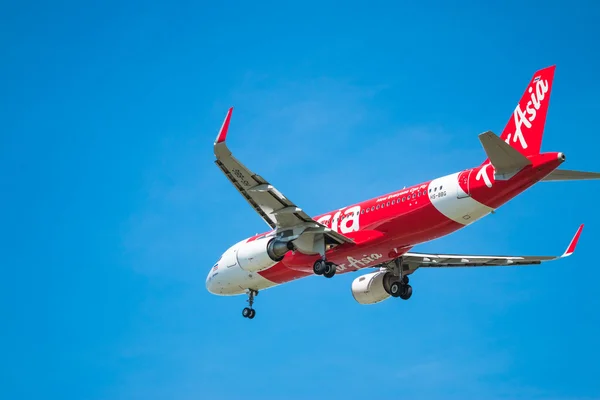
pixel 252 313
pixel 395 289
pixel 246 312
pixel 330 270
pixel 319 267
pixel 406 293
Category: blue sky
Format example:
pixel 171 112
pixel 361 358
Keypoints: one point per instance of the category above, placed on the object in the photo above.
pixel 113 211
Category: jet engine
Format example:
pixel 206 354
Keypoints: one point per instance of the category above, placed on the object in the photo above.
pixel 262 253
pixel 372 288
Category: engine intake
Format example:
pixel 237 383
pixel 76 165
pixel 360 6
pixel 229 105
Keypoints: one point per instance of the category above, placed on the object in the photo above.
pixel 371 288
pixel 261 254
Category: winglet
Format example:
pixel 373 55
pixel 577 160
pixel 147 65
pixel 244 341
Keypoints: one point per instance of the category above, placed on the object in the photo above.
pixel 223 132
pixel 571 249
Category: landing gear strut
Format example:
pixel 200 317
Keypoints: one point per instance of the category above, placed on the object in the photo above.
pixel 400 288
pixel 325 268
pixel 250 312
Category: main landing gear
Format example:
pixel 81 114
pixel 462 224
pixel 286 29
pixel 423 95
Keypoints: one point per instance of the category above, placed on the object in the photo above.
pixel 250 312
pixel 400 287
pixel 325 268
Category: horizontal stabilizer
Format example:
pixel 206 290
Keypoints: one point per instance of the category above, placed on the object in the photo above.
pixel 505 159
pixel 567 175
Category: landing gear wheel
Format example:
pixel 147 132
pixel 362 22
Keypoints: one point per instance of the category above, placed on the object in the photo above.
pixel 319 267
pixel 406 292
pixel 330 269
pixel 396 289
pixel 405 279
pixel 249 312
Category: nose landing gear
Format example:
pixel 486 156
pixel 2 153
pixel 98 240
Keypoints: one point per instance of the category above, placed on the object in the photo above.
pixel 249 312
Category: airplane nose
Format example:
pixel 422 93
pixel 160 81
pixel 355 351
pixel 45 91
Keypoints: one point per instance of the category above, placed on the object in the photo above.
pixel 209 283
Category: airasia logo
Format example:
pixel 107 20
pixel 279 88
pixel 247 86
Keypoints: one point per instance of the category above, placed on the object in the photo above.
pixel 526 117
pixel 483 174
pixel 343 221
pixel 357 263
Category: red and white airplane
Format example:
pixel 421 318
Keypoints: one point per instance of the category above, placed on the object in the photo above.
pixel 380 232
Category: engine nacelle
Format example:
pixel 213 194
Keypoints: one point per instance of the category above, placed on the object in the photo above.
pixel 372 288
pixel 261 254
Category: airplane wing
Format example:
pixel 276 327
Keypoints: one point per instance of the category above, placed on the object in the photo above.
pixel 276 210
pixel 423 260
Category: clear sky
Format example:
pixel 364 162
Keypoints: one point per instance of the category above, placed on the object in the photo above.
pixel 112 210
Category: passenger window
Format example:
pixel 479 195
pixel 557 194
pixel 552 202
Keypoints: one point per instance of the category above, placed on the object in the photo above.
pixel 440 187
pixel 367 210
pixel 435 189
pixel 414 196
pixel 362 211
pixel 377 208
pixel 373 208
pixel 393 201
pixel 388 204
pixel 418 194
pixel 403 198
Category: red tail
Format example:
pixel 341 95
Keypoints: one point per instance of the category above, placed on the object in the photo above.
pixel 525 128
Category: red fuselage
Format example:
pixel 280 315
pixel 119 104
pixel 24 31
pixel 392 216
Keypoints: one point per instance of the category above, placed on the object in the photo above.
pixel 386 227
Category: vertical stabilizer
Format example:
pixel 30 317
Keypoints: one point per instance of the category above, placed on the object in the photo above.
pixel 525 128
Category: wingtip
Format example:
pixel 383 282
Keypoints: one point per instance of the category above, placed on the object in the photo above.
pixel 224 128
pixel 573 244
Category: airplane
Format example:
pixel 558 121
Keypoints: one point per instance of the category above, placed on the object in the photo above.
pixel 380 233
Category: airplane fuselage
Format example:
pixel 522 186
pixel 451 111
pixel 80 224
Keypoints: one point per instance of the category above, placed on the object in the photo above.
pixel 385 227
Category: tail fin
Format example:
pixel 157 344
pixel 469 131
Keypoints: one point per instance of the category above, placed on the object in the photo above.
pixel 525 128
